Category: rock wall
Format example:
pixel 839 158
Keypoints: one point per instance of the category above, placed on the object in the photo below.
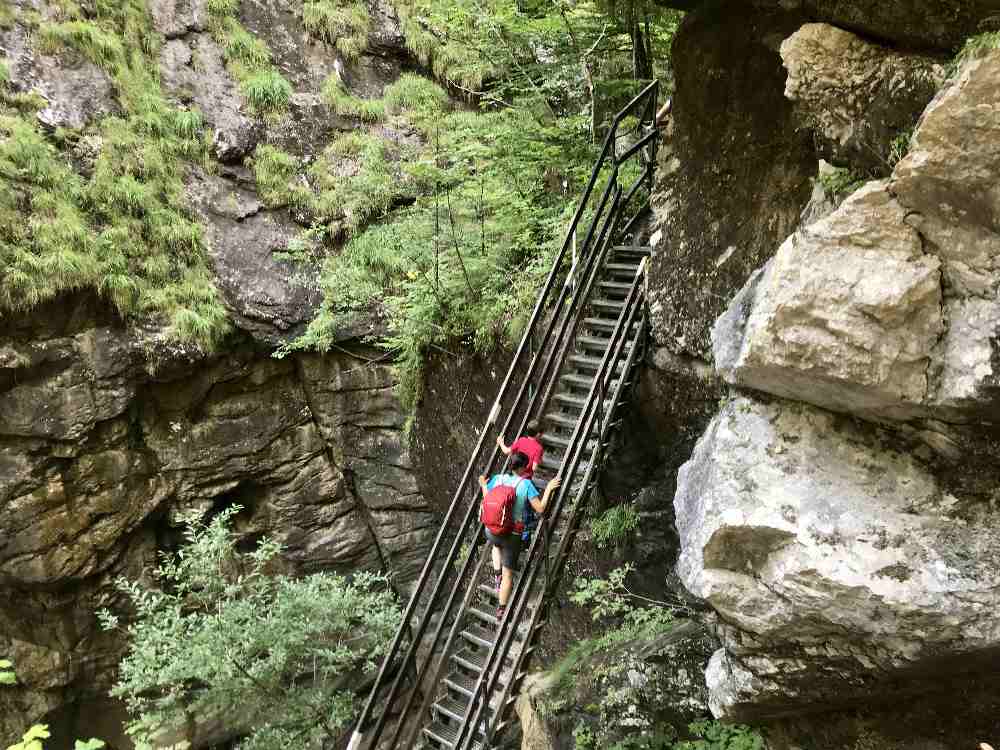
pixel 109 434
pixel 104 446
pixel 839 513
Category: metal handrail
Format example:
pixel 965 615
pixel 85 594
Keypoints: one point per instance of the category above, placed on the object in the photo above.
pixel 646 98
pixel 581 435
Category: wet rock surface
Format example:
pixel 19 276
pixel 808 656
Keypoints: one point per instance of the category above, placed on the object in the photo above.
pixel 733 174
pixel 102 451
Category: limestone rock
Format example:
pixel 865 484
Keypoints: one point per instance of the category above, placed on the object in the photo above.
pixel 358 412
pixel 192 70
pixel 937 25
pixel 77 92
pixel 858 97
pixel 176 18
pixel 850 315
pixel 269 297
pixel 845 316
pixel 834 558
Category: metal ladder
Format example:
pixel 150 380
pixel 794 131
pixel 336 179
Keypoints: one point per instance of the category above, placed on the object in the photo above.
pixel 451 674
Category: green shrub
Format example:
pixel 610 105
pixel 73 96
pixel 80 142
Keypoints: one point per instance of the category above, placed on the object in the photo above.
pixel 614 526
pixel 223 636
pixel 411 92
pixel 249 60
pixel 124 231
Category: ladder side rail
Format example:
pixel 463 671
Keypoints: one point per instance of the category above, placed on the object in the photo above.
pixel 433 555
pixel 608 232
pixel 392 653
pixel 507 626
pixel 635 310
pixel 549 360
pixel 430 694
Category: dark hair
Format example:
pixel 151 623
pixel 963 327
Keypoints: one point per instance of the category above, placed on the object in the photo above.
pixel 534 428
pixel 518 461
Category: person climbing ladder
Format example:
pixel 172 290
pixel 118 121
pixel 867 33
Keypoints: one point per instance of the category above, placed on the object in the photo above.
pixel 506 499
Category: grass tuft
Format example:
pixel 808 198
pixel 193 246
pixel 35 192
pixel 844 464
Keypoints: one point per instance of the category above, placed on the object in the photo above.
pixel 343 23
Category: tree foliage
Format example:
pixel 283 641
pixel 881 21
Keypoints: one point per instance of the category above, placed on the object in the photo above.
pixel 280 657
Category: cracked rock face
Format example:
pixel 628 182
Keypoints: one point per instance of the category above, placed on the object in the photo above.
pixel 834 557
pixel 271 298
pixel 889 307
pixel 856 96
pixel 733 172
pixel 99 459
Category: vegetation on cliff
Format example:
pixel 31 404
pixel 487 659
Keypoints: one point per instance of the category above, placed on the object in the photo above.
pixel 450 234
pixel 225 637
pixel 122 228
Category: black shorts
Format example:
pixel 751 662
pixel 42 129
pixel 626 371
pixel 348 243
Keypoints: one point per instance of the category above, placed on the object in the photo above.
pixel 510 547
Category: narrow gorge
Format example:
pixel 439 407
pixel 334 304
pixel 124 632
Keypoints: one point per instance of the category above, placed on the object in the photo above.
pixel 273 258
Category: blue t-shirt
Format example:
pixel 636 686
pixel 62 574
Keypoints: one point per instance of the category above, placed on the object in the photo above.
pixel 525 491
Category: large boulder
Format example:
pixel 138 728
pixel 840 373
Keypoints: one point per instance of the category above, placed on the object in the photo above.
pixel 860 99
pixel 846 315
pixel 841 565
pixel 889 307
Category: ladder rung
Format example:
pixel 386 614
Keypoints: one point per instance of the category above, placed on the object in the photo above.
pixel 605 324
pixel 479 614
pixel 562 420
pixel 622 267
pixel 591 363
pixel 580 381
pixel 610 305
pixel 640 250
pixel 479 636
pixel 616 285
pixel 453 707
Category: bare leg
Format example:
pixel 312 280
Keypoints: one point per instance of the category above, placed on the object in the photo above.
pixel 506 584
pixel 496 558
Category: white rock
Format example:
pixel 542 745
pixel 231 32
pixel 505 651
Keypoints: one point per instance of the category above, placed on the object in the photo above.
pixel 830 555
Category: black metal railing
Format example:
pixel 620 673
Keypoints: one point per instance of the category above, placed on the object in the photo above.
pixel 438 592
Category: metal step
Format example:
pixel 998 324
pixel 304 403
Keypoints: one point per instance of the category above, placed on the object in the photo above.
pixel 619 270
pixel 483 616
pixel 607 305
pixel 593 343
pixel 446 734
pixel 585 362
pixel 636 251
pixel 574 401
pixel 606 324
pixel 615 286
pixel 563 442
pixel 466 683
pixel 479 636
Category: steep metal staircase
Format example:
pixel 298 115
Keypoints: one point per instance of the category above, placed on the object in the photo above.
pixel 451 674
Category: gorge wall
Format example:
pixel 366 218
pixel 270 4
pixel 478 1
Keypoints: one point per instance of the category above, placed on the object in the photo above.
pixel 834 517
pixel 838 513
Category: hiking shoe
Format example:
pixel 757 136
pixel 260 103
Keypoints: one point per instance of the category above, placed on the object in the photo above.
pixel 500 613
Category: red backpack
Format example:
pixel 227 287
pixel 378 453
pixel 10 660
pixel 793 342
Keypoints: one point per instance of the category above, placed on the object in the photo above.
pixel 498 509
